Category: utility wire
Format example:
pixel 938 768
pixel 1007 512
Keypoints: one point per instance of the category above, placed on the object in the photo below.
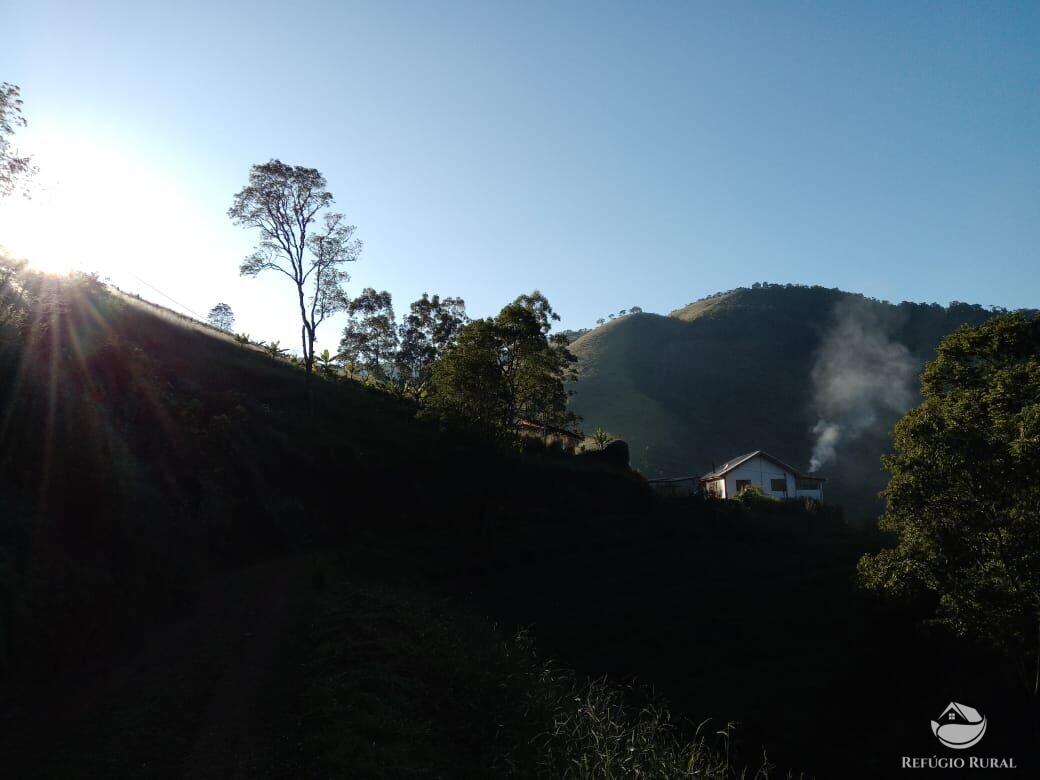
pixel 167 297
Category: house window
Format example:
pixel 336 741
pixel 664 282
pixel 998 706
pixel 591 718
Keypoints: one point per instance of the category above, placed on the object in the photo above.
pixel 778 485
pixel 741 484
pixel 806 484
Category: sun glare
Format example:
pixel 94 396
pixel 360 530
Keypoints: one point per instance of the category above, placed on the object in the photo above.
pixel 90 209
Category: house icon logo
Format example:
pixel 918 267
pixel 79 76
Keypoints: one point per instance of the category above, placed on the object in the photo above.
pixel 959 727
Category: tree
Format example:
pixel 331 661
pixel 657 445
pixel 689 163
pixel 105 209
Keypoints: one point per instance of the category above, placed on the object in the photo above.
pixel 430 328
pixel 221 316
pixel 283 202
pixel 466 388
pixel 13 168
pixel 370 338
pixel 600 321
pixel 964 495
pixel 14 292
pixel 504 370
pixel 635 310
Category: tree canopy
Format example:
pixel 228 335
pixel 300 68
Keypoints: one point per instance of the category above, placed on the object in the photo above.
pixel 370 337
pixel 400 357
pixel 221 316
pixel 431 326
pixel 285 203
pixel 13 167
pixel 964 495
pixel 504 370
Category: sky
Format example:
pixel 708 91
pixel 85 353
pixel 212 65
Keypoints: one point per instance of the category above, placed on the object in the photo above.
pixel 608 154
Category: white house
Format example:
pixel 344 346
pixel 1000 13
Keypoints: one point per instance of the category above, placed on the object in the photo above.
pixel 758 468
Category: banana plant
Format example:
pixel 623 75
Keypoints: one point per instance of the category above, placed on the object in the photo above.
pixel 274 351
pixel 327 362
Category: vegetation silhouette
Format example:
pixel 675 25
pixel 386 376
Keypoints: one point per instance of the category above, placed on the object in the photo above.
pixel 284 202
pixel 964 497
pixel 156 469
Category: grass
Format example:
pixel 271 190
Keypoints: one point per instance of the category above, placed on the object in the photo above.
pixel 406 686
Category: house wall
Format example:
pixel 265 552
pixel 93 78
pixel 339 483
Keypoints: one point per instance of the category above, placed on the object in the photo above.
pixel 816 494
pixel 716 484
pixel 761 471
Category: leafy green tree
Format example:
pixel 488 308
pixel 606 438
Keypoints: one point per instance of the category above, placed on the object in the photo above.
pixel 221 316
pixel 430 328
pixel 467 387
pixel 370 338
pixel 283 202
pixel 964 495
pixel 13 168
pixel 504 370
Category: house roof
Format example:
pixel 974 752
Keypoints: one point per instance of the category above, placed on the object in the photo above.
pixel 731 464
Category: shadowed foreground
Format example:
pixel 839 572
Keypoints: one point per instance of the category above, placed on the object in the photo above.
pixel 215 694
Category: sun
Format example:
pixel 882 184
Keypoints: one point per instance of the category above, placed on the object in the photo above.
pixel 42 227
pixel 26 234
pixel 91 208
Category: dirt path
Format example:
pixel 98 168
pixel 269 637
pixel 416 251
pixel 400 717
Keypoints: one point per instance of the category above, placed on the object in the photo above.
pixel 214 695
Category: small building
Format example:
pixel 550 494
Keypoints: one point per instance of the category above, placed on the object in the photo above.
pixel 675 486
pixel 567 441
pixel 760 469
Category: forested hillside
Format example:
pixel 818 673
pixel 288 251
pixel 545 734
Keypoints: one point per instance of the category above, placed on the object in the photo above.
pixel 761 368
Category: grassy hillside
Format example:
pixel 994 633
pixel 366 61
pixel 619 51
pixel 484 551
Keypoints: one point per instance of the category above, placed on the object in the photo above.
pixel 733 373
pixel 191 580
pixel 206 570
pixel 140 451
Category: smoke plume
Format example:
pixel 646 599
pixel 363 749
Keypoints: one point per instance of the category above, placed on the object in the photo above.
pixel 859 373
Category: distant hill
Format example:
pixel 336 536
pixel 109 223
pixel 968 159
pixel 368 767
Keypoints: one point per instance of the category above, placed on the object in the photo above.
pixel 761 368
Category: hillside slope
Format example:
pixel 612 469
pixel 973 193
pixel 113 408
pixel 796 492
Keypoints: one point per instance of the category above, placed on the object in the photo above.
pixel 140 452
pixel 734 373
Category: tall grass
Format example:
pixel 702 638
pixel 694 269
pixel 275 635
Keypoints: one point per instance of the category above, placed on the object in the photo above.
pixel 405 686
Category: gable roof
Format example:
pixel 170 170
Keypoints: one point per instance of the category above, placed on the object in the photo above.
pixel 731 464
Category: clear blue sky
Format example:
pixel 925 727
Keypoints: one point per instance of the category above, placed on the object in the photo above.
pixel 608 154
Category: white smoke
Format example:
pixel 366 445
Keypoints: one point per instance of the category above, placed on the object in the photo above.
pixel 860 372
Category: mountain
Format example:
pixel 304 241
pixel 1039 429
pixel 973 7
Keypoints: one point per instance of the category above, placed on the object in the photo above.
pixel 761 368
